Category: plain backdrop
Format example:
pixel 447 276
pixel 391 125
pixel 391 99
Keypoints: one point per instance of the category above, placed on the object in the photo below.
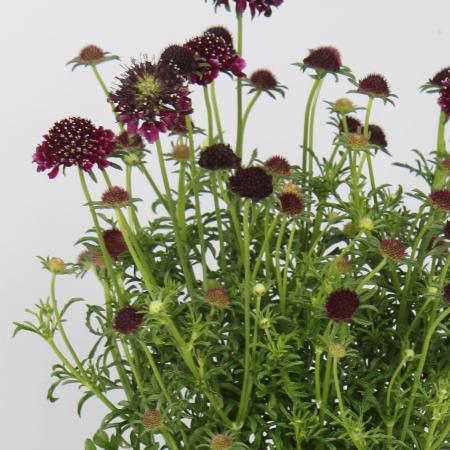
pixel 406 40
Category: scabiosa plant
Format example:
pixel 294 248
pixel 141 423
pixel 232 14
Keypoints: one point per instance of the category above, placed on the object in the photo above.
pixel 392 249
pixel 263 80
pixel 354 125
pixel 128 320
pixel 150 98
pixel 152 419
pixel 440 77
pixel 215 54
pixel 74 141
pixel 440 199
pixel 375 85
pixel 342 305
pixel 278 165
pixel 181 57
pixel 253 183
pixel 219 156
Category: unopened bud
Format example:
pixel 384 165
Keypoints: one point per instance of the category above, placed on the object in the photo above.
pixel 409 354
pixel 259 289
pixel 337 350
pixel 56 265
pixel 152 420
pixel 343 106
pixel 156 307
pixel 366 223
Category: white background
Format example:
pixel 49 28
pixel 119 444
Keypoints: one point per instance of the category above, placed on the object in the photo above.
pixel 408 41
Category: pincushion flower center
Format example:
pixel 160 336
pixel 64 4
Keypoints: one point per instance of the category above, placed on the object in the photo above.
pixel 147 85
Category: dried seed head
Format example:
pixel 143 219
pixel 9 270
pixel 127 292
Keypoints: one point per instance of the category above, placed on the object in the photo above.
pixel 115 196
pixel 356 141
pixel 217 297
pixel 221 442
pixel 440 199
pixel 277 165
pixel 152 420
pixel 392 249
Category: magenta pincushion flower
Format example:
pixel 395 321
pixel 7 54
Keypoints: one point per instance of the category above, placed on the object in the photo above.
pixel 342 305
pixel 440 199
pixel 392 249
pixel 324 58
pixel 219 156
pixel 128 320
pixel 444 97
pixel 255 6
pixel 374 84
pixel 216 54
pixel 150 98
pixel 251 182
pixel 181 57
pixel 74 141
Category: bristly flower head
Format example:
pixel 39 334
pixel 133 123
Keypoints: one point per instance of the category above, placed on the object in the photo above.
pixel 115 243
pixel 263 80
pixel 444 97
pixel 354 125
pixel 91 55
pixel 74 141
pixel 217 297
pixel 342 305
pixel 447 292
pixel 290 204
pixel 392 249
pixel 343 106
pixel 90 257
pixel 255 6
pixel 152 419
pixel 219 156
pixel 440 199
pixel 377 136
pixel 221 442
pixel 356 141
pixel 277 165
pixel 115 196
pixel 215 53
pixel 252 182
pixel 150 98
pixel 128 320
pixel 181 57
pixel 375 85
pixel 440 77
pixel 325 58
pixel 181 152
pixel 445 163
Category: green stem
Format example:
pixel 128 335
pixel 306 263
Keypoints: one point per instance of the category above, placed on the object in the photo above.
pixel 240 131
pixel 133 368
pixel 181 200
pixel 277 262
pixel 337 387
pixel 218 213
pixel 311 128
pixel 317 378
pixel 283 299
pixel 170 441
pixel 153 185
pixel 369 276
pixel 418 374
pixel 249 109
pixel 216 111
pixel 210 115
pixel 131 208
pixel 265 248
pixel 442 436
pixel 391 383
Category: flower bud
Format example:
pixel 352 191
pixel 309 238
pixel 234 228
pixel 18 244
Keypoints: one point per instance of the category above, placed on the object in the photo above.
pixel 432 290
pixel 337 350
pixel 181 152
pixel 56 265
pixel 259 289
pixel 264 323
pixel 356 141
pixel 333 217
pixel 366 224
pixel 132 159
pixel 152 420
pixel 221 442
pixel 409 354
pixel 343 106
pixel 156 307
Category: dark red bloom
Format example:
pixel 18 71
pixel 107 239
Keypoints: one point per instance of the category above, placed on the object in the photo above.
pixel 440 199
pixel 221 32
pixel 129 141
pixel 446 229
pixel 115 243
pixel 445 163
pixel 215 54
pixel 74 141
pixel 263 80
pixel 392 249
pixel 374 84
pixel 217 297
pixel 354 125
pixel 290 204
pixel 277 165
pixel 255 6
pixel 90 54
pixel 251 182
pixel 219 156
pixel 444 97
pixel 447 292
pixel 115 196
pixel 128 320
pixel 342 305
pixel 440 77
pixel 377 136
pixel 181 57
pixel 150 98
pixel 324 58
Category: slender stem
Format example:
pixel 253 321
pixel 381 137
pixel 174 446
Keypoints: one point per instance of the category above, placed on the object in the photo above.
pixel 431 432
pixel 265 247
pixel 423 356
pixel 218 213
pixel 249 109
pixel 369 276
pixel 311 128
pixel 283 299
pixel 441 150
pixel 239 137
pixel 277 261
pixel 317 378
pixel 391 383
pixel 247 381
pixel 153 185
pixel 131 208
pixel 442 436
pixel 337 387
pixel 170 441
pixel 181 200
pixel 133 368
pixel 210 115
pixel 216 111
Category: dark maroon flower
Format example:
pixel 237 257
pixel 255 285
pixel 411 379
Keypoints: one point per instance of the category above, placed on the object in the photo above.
pixel 115 196
pixel 128 320
pixel 217 297
pixel 74 141
pixel 374 84
pixel 181 57
pixel 440 77
pixel 215 55
pixel 342 305
pixel 440 199
pixel 90 54
pixel 251 182
pixel 221 32
pixel 377 136
pixel 219 156
pixel 115 243
pixel 150 98
pixel 392 249
pixel 290 204
pixel 446 229
pixel 277 165
pixel 263 80
pixel 447 292
pixel 354 125
pixel 324 58
pixel 444 97
pixel 445 163
pixel 255 6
